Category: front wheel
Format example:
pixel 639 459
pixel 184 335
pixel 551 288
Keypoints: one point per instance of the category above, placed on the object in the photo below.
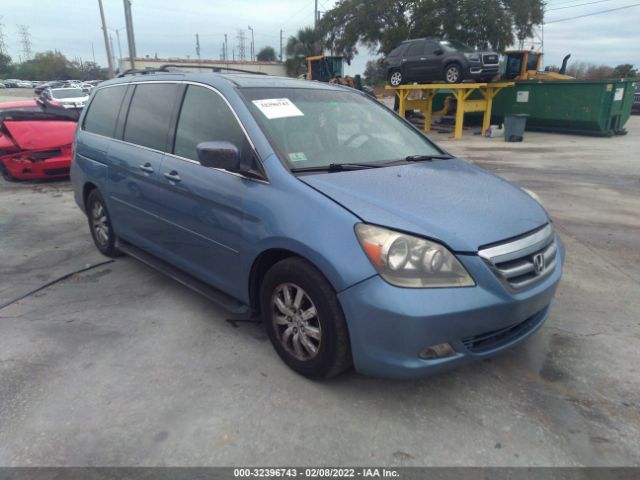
pixel 6 174
pixel 304 319
pixel 453 73
pixel 395 79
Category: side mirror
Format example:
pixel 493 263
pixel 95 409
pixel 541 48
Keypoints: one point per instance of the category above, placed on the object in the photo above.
pixel 438 52
pixel 223 155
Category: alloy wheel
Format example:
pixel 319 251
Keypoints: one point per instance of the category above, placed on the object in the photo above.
pixel 452 74
pixel 100 223
pixel 395 79
pixel 296 321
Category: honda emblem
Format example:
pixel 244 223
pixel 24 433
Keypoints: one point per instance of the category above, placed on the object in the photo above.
pixel 538 263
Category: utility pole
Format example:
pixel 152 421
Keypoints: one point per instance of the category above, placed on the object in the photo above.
pixel 25 40
pixel 252 45
pixel 226 48
pixel 113 52
pixel 106 39
pixel 93 53
pixel 130 36
pixel 198 46
pixel 119 46
pixel 315 16
pixel 280 44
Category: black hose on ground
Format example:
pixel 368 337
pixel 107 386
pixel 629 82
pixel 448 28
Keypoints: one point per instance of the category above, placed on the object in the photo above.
pixel 56 280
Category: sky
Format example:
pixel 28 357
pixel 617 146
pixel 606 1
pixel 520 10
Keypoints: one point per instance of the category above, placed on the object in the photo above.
pixel 167 28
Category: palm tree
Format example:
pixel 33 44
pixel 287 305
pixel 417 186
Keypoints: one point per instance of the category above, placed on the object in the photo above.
pixel 307 42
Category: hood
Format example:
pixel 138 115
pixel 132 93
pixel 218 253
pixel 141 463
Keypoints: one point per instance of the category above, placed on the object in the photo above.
pixel 454 202
pixel 40 135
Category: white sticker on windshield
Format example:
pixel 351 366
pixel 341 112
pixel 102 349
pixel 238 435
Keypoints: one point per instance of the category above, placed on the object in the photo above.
pixel 297 157
pixel 278 108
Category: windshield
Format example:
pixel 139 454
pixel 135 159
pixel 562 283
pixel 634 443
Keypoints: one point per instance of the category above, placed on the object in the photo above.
pixel 317 127
pixel 67 93
pixel 455 46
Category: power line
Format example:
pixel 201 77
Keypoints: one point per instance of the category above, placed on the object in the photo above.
pixel 579 5
pixel 298 12
pixel 591 14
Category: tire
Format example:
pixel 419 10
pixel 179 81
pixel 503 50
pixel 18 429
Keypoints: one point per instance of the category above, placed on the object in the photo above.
pixel 396 78
pixel 453 73
pixel 6 174
pixel 100 225
pixel 314 319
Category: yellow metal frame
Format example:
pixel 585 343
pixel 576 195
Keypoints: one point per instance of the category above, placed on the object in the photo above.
pixel 460 91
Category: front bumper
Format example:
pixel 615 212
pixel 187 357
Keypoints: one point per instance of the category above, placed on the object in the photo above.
pixel 476 71
pixel 22 168
pixel 389 326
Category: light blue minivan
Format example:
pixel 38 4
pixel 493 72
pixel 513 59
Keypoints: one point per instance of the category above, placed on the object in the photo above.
pixel 354 238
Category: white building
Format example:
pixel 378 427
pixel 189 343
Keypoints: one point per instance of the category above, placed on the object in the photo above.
pixel 271 68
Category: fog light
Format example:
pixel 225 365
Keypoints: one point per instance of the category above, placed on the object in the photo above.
pixel 437 351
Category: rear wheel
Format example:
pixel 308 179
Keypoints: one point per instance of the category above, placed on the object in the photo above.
pixel 396 79
pixel 304 319
pixel 100 225
pixel 453 73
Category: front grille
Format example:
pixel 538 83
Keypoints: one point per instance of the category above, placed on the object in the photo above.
pixel 497 338
pixel 523 261
pixel 57 171
pixel 490 59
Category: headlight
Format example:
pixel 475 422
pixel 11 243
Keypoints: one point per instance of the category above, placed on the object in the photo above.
pixel 472 57
pixel 407 261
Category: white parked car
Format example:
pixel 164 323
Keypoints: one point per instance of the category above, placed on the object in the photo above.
pixel 72 97
pixel 24 84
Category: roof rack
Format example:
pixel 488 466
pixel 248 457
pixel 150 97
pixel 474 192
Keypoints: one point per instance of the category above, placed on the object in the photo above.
pixel 176 68
pixel 136 71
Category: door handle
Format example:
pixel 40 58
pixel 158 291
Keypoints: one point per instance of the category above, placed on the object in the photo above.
pixel 146 167
pixel 172 176
pixel 423 58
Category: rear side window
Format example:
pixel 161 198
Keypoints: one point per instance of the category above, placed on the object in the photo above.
pixel 150 115
pixel 431 47
pixel 415 49
pixel 205 117
pixel 103 111
pixel 396 52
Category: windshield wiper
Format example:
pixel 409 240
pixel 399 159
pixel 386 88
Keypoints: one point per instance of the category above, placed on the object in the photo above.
pixel 426 158
pixel 336 167
pixel 418 158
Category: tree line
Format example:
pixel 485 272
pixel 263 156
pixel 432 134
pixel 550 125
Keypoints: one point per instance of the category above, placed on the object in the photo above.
pixel 50 66
pixel 381 25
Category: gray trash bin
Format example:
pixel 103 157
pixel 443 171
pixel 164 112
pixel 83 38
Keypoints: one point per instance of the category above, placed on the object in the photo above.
pixel 514 126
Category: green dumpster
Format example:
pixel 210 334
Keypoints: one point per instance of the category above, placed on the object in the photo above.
pixel 590 107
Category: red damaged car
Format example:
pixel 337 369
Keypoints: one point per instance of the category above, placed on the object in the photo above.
pixel 35 139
